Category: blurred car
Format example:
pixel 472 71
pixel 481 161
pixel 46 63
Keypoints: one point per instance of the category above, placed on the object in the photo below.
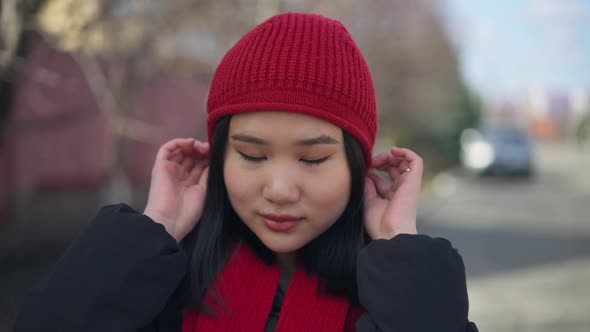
pixel 498 151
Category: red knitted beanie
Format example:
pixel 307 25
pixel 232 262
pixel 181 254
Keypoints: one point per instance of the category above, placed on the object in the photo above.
pixel 295 62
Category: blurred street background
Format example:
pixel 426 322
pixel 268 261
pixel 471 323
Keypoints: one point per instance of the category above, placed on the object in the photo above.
pixel 494 95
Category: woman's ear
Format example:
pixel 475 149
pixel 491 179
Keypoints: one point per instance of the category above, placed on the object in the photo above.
pixel 370 190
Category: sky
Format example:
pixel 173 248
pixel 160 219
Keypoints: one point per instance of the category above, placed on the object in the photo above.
pixel 508 47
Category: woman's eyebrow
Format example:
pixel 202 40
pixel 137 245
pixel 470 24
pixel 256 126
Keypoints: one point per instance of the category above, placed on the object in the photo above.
pixel 322 139
pixel 249 139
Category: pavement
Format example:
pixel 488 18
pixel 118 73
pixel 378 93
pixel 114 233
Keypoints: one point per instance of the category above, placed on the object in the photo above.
pixel 526 244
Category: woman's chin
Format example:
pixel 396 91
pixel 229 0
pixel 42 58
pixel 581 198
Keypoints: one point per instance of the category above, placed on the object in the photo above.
pixel 281 246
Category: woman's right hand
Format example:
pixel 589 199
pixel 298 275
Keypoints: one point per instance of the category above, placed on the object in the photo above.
pixel 178 185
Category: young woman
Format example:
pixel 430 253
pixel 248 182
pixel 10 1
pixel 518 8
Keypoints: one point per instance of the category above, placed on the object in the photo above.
pixel 282 224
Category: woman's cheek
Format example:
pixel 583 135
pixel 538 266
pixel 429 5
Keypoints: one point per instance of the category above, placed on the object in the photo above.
pixel 240 181
pixel 330 187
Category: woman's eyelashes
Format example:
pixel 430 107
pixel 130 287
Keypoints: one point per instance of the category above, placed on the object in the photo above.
pixel 251 158
pixel 315 161
pixel 258 159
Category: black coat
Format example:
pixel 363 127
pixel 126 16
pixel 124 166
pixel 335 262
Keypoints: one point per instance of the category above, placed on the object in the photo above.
pixel 124 272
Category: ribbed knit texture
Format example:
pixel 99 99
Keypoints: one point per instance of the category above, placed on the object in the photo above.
pixel 247 287
pixel 303 63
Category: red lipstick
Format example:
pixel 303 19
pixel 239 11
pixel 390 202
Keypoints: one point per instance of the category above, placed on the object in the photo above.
pixel 280 222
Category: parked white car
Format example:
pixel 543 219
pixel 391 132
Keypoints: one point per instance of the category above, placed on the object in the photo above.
pixel 499 151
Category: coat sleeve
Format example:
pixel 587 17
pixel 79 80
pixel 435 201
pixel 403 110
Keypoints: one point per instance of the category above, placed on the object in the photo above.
pixel 412 283
pixel 118 276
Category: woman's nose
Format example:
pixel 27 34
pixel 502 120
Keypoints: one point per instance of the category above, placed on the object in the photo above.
pixel 281 188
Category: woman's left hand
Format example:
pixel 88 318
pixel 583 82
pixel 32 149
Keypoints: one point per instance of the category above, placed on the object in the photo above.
pixel 391 206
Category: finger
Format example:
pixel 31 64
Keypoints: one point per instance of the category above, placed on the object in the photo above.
pixel 380 160
pixel 384 159
pixel 415 161
pixel 178 143
pixel 404 167
pixel 203 178
pixel 395 168
pixel 391 163
pixel 409 161
pixel 384 187
pixel 370 190
pixel 197 170
pixel 176 156
pixel 395 173
pixel 387 161
pixel 202 148
pixel 166 150
pixel 187 164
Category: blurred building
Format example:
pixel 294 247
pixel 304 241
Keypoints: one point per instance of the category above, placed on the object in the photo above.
pixel 546 114
pixel 60 141
pixel 557 115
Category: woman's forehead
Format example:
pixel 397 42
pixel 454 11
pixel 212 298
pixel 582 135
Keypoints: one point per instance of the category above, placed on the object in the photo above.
pixel 282 124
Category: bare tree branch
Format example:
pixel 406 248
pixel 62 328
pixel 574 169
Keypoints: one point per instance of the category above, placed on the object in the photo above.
pixel 108 104
pixel 11 25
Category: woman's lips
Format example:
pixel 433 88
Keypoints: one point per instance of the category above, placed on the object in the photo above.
pixel 280 222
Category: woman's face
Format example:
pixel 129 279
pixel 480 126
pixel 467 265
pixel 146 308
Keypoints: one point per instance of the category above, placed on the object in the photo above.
pixel 286 175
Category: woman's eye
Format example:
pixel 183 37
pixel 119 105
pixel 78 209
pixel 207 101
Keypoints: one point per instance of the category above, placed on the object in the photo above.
pixel 251 158
pixel 314 161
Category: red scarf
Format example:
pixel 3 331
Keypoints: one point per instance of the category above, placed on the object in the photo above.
pixel 248 287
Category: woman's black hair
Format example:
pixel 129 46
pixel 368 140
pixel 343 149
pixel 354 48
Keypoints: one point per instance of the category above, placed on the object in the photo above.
pixel 331 256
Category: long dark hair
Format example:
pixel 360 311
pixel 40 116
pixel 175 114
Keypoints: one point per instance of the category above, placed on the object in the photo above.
pixel 331 256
